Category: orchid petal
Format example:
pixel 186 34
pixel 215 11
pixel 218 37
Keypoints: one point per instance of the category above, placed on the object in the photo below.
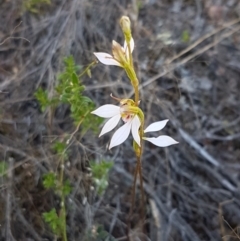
pixel 107 59
pixel 125 47
pixel 110 124
pixel 131 46
pixel 156 126
pixel 161 141
pixel 107 111
pixel 120 135
pixel 135 127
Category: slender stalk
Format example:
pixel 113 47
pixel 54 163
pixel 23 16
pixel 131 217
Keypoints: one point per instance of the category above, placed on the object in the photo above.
pixel 136 95
pixel 138 170
pixel 63 208
pixel 130 55
pixel 129 68
pixel 87 68
pixel 142 190
pixel 134 187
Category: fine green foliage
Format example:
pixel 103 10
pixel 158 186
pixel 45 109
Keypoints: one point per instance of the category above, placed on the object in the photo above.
pixel 71 90
pixel 66 188
pixel 100 174
pixel 54 222
pixel 185 36
pixel 61 149
pixel 42 97
pixel 49 180
pixel 62 188
pixel 33 5
pixel 3 168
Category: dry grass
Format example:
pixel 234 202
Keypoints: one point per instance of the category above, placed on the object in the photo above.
pixel 192 188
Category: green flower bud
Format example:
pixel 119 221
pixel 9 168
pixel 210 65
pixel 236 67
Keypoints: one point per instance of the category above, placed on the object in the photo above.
pixel 126 27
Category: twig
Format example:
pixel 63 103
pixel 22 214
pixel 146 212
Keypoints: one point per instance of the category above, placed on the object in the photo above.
pixel 8 231
pixel 231 228
pixel 14 37
pixel 198 148
pixel 220 213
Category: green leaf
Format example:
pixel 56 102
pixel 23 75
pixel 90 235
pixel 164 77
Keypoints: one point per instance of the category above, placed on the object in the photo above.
pixel 74 79
pixel 52 219
pixel 59 147
pixel 42 98
pixel 100 174
pixel 49 180
pixel 66 188
pixel 3 168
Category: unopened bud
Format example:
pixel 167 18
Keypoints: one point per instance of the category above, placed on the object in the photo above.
pixel 126 27
pixel 118 53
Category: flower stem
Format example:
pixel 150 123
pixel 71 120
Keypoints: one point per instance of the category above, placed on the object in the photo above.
pixel 136 94
pixel 130 54
pixel 129 68
pixel 138 149
pixel 63 208
pixel 87 68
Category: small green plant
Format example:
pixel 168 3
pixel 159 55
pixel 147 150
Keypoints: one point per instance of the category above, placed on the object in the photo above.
pixel 100 175
pixel 42 96
pixel 53 220
pixel 62 188
pixel 49 180
pixel 33 5
pixel 69 90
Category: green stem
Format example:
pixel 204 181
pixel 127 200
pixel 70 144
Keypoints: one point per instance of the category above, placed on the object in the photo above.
pixel 130 54
pixel 63 208
pixel 88 67
pixel 136 94
pixel 138 149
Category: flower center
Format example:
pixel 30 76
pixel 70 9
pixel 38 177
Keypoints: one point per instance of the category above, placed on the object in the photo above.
pixel 126 114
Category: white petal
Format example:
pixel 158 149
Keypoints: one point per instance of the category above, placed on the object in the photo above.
pixel 161 141
pixel 120 135
pixel 110 124
pixel 126 48
pixel 131 45
pixel 135 127
pixel 107 59
pixel 107 111
pixel 156 126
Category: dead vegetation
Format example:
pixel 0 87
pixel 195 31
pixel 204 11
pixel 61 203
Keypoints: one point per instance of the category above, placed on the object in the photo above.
pixel 188 60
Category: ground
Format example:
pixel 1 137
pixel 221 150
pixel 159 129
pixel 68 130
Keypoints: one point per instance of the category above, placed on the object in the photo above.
pixel 187 56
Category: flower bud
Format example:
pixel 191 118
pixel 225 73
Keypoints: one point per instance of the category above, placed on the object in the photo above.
pixel 118 53
pixel 126 27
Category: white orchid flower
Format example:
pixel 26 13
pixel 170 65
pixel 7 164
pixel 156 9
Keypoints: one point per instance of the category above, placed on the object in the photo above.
pixel 115 113
pixel 120 54
pixel 132 123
